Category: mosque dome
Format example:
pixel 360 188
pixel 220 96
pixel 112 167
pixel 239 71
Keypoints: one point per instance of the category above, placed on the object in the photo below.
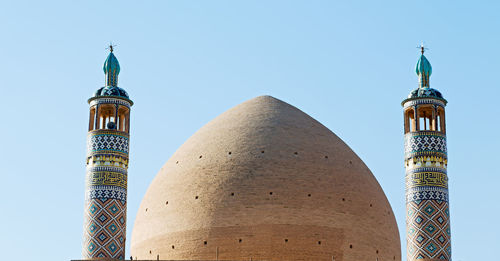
pixel 265 181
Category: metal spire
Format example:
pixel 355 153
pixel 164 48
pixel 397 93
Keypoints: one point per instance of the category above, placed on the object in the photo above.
pixel 422 48
pixel 110 47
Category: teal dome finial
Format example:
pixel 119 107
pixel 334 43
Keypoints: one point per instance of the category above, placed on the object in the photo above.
pixel 111 68
pixel 423 69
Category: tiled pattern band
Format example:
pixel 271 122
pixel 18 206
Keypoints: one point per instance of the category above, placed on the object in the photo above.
pixel 427 209
pixel 106 195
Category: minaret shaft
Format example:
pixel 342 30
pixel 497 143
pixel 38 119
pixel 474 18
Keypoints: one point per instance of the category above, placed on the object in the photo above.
pixel 105 212
pixel 428 234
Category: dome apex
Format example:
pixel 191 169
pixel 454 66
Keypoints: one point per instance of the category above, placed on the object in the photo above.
pixel 265 181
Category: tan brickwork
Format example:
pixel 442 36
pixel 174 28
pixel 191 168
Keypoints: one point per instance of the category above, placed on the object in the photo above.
pixel 265 181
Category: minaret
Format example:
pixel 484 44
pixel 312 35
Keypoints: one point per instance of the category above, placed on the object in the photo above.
pixel 107 162
pixel 427 209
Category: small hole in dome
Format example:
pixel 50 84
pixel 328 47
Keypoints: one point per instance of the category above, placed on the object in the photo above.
pixel 240 240
pixel 232 194
pixel 229 153
pixel 308 195
pixel 150 251
pixel 201 156
pixel 371 205
pixel 173 247
pixel 350 246
pixel 196 197
pixel 166 202
pixel 177 162
pixel 319 242
pixel 270 193
pixel 261 151
pixel 326 157
pixel 377 251
pixel 204 242
pixel 146 209
pixel 286 240
pixel 295 153
pixel 350 162
pixel 343 199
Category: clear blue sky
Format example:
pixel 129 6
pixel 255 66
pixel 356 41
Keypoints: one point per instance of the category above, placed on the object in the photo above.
pixel 346 63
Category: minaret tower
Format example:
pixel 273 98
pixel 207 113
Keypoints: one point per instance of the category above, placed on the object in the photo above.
pixel 107 162
pixel 427 208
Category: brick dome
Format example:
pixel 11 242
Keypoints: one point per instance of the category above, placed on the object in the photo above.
pixel 265 181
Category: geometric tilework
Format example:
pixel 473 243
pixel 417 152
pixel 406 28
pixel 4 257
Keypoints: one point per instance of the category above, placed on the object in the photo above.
pixel 104 228
pixel 426 169
pixel 105 140
pixel 107 169
pixel 108 161
pixel 428 230
pixel 106 192
pixel 425 143
pixel 426 192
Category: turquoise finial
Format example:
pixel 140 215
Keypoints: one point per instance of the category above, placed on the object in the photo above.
pixel 111 68
pixel 423 69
